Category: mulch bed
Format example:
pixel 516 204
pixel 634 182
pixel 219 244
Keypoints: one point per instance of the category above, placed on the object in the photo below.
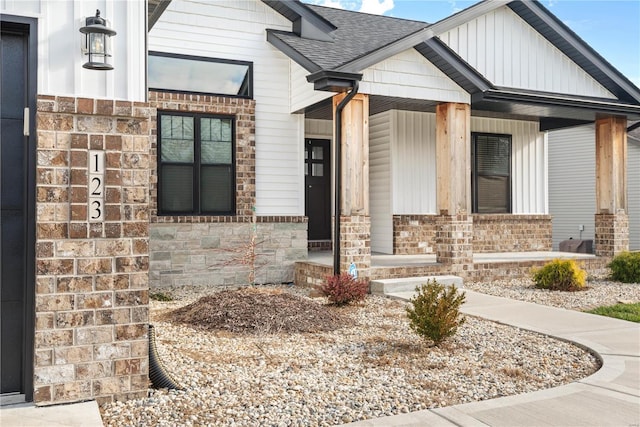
pixel 256 311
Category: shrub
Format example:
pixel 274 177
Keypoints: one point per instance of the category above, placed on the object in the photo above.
pixel 625 267
pixel 560 275
pixel 435 311
pixel 160 296
pixel 343 289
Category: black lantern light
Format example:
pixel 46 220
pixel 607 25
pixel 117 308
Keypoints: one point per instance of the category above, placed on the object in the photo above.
pixel 97 43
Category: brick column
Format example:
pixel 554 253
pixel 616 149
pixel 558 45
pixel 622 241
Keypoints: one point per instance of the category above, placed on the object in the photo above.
pixel 355 222
pixel 92 282
pixel 454 243
pixel 454 235
pixel 611 221
pixel 612 234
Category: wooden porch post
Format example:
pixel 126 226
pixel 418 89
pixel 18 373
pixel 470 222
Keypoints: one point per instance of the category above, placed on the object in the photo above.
pixel 355 222
pixel 611 221
pixel 454 235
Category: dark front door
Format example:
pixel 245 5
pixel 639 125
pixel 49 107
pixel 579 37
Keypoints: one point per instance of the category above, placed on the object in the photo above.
pixel 318 188
pixel 16 286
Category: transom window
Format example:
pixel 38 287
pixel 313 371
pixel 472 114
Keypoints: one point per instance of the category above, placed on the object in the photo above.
pixel 196 158
pixel 169 72
pixel 491 173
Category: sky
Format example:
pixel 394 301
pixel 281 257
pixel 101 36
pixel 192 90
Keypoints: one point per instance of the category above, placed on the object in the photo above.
pixel 611 27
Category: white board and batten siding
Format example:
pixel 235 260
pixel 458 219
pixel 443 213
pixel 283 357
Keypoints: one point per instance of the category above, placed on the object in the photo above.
pixel 60 57
pixel 410 75
pixel 510 53
pixel 236 30
pixel 572 185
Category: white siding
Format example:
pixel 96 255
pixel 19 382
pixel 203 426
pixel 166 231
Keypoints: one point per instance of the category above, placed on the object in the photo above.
pixel 509 52
pixel 380 182
pixel 413 143
pixel 321 129
pixel 302 93
pixel 236 30
pixel 572 185
pixel 414 167
pixel 411 75
pixel 633 193
pixel 60 58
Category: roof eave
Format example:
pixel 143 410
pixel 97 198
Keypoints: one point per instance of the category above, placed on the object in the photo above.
pixel 333 81
pixel 300 59
pixel 575 48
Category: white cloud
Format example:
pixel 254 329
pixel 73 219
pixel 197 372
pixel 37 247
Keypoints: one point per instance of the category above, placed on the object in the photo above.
pixel 551 3
pixel 454 6
pixel 376 7
pixel 336 4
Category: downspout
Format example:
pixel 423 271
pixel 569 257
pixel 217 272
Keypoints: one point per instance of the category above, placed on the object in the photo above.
pixel 338 175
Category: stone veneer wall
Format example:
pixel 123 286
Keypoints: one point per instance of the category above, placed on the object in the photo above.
pixel 511 233
pixel 91 303
pixel 221 254
pixel 221 250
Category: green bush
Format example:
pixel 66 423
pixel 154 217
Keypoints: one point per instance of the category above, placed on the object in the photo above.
pixel 435 311
pixel 560 275
pixel 343 289
pixel 160 296
pixel 625 267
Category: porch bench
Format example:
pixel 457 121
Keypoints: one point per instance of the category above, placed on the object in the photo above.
pixel 408 284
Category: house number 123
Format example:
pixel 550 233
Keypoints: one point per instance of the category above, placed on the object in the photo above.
pixel 96 186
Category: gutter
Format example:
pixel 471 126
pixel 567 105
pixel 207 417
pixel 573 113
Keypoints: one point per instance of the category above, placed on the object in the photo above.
pixel 336 81
pixel 338 175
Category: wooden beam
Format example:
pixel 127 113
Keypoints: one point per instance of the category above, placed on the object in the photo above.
pixel 611 160
pixel 355 155
pixel 453 162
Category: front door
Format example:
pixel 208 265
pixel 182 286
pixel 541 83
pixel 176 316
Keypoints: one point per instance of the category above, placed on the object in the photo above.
pixel 317 167
pixel 16 209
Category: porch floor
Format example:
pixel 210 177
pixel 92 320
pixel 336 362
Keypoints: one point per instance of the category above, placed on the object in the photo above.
pixel 486 266
pixel 384 260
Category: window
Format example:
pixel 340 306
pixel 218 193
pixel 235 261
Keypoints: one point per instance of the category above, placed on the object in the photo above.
pixel 196 159
pixel 491 173
pixel 195 74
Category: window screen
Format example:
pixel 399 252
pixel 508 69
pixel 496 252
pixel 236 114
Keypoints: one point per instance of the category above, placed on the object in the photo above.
pixel 491 175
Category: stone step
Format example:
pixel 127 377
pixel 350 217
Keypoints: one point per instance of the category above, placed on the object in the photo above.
pixel 408 284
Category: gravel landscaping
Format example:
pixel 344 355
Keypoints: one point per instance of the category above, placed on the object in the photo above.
pixel 371 367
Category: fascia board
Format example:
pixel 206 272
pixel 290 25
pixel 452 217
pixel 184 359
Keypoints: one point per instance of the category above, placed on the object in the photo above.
pixel 296 56
pixel 582 48
pixel 379 55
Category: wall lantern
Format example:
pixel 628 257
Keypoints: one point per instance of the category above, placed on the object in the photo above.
pixel 97 43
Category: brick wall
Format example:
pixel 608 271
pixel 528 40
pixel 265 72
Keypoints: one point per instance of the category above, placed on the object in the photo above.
pixel 221 250
pixel 414 234
pixel 91 277
pixel 511 233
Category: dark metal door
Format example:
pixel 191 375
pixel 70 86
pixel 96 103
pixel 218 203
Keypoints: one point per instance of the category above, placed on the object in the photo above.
pixel 14 208
pixel 318 188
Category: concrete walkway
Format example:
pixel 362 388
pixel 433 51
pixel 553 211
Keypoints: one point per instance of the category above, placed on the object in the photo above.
pixel 610 397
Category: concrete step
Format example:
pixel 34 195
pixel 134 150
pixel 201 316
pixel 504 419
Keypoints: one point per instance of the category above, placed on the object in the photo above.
pixel 408 284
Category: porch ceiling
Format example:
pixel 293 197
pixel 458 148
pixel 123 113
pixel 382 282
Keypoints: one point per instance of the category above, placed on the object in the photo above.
pixel 378 104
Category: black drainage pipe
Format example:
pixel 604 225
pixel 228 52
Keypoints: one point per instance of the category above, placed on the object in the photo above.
pixel 158 374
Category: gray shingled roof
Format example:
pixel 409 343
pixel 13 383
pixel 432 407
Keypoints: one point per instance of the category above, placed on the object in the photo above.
pixel 357 35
